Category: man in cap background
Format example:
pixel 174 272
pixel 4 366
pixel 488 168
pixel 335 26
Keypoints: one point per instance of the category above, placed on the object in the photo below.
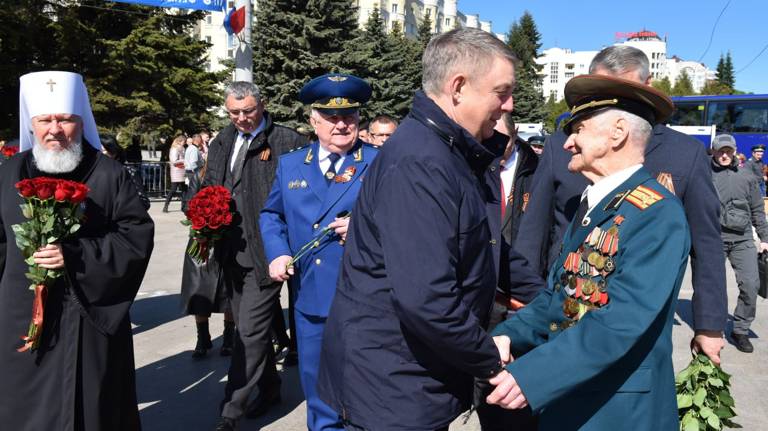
pixel 405 335
pixel 741 207
pixel 243 158
pixel 756 165
pixel 603 326
pixel 314 188
pixel 680 163
pixel 537 144
pixel 82 374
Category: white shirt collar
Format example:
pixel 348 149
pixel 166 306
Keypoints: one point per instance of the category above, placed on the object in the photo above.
pixel 598 191
pixel 258 130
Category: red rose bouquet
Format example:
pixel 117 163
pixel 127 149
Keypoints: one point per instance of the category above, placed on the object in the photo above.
pixel 207 214
pixel 53 212
pixel 8 152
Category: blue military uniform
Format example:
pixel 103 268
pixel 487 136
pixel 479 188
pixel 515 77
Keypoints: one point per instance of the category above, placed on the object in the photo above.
pixel 303 202
pixel 597 343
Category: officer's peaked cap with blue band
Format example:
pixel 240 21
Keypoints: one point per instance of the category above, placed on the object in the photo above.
pixel 587 95
pixel 335 93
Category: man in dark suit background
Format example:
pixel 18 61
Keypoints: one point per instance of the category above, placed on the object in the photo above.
pixel 243 158
pixel 679 162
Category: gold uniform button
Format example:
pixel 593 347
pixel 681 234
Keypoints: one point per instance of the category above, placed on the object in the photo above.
pixel 553 327
pixel 316 225
pixel 318 261
pixel 493 242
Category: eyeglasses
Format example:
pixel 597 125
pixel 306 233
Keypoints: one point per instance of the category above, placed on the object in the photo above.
pixel 246 112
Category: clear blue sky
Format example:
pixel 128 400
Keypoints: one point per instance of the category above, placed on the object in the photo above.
pixel 583 25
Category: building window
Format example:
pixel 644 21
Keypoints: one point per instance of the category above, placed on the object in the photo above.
pixel 231 40
pixel 230 53
pixel 394 8
pixel 208 39
pixel 208 19
pixel 568 75
pixel 553 94
pixel 428 12
pixel 553 79
pixel 553 68
pixel 447 22
pixel 569 66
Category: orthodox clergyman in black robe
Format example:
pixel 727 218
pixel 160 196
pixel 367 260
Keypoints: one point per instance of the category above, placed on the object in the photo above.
pixel 81 377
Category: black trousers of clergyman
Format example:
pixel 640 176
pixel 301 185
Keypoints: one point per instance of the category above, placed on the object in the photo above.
pixel 252 370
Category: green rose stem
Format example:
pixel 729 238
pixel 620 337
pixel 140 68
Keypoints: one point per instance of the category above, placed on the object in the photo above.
pixel 315 242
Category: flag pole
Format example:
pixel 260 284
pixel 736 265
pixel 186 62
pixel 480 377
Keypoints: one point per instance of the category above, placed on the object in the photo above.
pixel 244 52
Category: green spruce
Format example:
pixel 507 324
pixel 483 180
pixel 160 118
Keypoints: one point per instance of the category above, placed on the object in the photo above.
pixel 525 41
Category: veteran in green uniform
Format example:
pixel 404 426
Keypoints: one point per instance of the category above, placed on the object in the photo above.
pixel 594 350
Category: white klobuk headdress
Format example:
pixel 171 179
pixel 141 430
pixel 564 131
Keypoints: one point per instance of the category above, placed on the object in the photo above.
pixel 54 92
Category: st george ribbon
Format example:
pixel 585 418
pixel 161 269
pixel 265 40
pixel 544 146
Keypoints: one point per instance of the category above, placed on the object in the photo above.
pixel 214 5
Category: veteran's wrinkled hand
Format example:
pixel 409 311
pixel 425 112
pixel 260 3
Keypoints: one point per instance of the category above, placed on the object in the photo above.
pixel 279 268
pixel 507 393
pixel 710 343
pixel 49 257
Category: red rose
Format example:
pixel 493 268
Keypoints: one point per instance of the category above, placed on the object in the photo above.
pixel 64 191
pixel 79 194
pixel 26 188
pixel 198 223
pixel 214 223
pixel 45 189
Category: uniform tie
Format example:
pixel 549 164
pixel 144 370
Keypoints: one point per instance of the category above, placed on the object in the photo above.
pixel 330 174
pixel 581 211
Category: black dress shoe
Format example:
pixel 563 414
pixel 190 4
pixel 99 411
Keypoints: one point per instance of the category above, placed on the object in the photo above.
pixel 263 402
pixel 742 343
pixel 201 348
pixel 226 424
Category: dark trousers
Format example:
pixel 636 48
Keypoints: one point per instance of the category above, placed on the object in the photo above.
pixel 175 187
pixel 743 257
pixel 493 417
pixel 252 370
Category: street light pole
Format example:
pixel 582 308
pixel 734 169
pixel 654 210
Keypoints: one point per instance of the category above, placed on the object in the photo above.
pixel 244 52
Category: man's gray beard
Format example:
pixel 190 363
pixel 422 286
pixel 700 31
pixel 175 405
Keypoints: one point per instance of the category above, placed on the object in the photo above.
pixel 57 161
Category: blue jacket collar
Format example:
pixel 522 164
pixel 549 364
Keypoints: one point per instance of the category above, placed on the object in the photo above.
pixel 477 154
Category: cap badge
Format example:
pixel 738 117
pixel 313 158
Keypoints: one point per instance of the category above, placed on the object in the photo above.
pixel 337 78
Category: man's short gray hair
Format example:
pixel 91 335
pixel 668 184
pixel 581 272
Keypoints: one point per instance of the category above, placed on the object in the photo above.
pixel 242 89
pixel 469 50
pixel 619 59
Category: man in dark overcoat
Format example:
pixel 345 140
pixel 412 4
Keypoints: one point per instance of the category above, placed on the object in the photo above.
pixel 405 334
pixel 81 376
pixel 243 158
pixel 679 162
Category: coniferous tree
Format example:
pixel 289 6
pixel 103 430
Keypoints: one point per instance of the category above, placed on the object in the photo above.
pixel 525 40
pixel 144 72
pixel 715 87
pixel 299 40
pixel 425 31
pixel 554 110
pixel 729 78
pixel 683 85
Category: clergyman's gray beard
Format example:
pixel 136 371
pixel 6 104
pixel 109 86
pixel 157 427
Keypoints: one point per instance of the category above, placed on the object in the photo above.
pixel 57 162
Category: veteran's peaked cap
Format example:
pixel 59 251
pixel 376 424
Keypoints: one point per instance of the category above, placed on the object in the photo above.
pixel 336 93
pixel 588 94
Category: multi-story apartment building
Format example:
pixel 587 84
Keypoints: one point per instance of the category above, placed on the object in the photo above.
pixel 560 65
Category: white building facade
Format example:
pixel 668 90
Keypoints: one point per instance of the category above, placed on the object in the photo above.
pixel 444 15
pixel 560 65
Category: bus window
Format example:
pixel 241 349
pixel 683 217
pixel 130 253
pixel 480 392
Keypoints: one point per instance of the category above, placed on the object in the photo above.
pixel 739 116
pixel 688 114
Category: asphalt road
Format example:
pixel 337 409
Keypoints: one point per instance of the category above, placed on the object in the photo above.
pixel 177 392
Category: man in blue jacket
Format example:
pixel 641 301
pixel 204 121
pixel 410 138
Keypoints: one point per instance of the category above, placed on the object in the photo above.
pixel 596 345
pixel 313 188
pixel 405 335
pixel 679 162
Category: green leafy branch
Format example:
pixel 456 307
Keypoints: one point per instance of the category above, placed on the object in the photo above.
pixel 704 398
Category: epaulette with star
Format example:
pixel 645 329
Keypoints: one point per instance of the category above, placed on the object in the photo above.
pixel 643 197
